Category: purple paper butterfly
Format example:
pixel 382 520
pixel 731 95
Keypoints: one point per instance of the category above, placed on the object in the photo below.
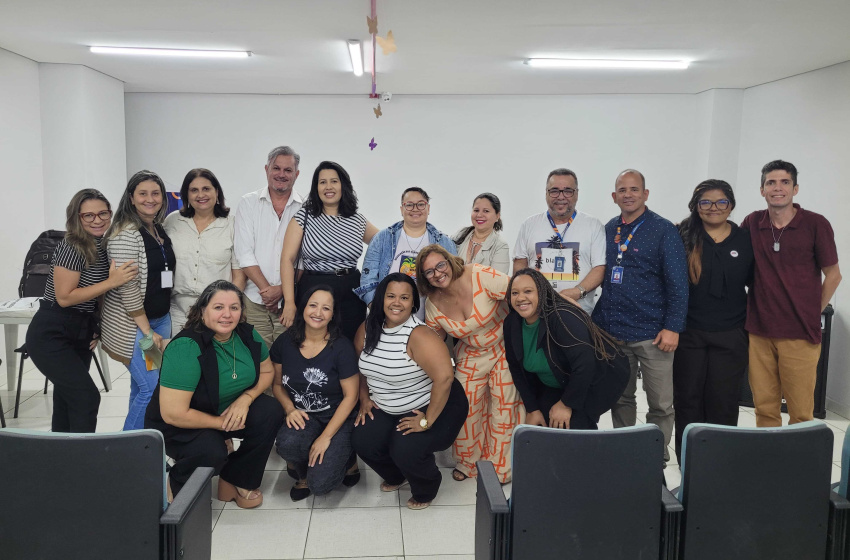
pixel 373 144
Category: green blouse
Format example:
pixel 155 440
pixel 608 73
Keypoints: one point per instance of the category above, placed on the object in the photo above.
pixel 534 359
pixel 181 369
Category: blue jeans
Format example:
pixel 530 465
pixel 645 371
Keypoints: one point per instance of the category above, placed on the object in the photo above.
pixel 142 381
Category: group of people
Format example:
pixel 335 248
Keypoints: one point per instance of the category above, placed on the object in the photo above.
pixel 270 335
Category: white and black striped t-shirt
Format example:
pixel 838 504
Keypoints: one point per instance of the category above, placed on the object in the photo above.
pixel 331 242
pixel 68 257
pixel 397 383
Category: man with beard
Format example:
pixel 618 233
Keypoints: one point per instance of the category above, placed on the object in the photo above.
pixel 565 245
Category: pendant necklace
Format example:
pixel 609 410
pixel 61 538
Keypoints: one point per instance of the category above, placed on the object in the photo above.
pixel 233 350
pixel 775 239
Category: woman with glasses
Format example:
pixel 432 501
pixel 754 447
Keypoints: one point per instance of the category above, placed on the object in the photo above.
pixel 327 237
pixel 136 314
pixel 63 333
pixel 480 243
pixel 712 354
pixel 395 248
pixel 202 236
pixel 468 303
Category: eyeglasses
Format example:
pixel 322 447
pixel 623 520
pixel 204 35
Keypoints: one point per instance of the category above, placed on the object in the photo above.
pixel 89 217
pixel 721 204
pixel 566 193
pixel 418 205
pixel 439 267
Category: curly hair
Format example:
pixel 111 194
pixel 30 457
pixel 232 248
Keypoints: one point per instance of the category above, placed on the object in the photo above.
pixel 375 319
pixel 550 303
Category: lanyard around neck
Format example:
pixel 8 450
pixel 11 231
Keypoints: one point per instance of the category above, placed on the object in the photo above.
pixel 554 227
pixel 622 248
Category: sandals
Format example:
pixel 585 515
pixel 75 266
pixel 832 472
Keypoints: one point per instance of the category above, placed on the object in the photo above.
pixel 413 504
pixel 387 487
pixel 458 476
pixel 228 493
pixel 299 491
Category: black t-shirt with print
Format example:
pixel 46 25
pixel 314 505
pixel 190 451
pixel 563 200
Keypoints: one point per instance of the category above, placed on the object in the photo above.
pixel 313 384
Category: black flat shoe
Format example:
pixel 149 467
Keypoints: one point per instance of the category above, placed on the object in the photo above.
pixel 352 476
pixel 299 491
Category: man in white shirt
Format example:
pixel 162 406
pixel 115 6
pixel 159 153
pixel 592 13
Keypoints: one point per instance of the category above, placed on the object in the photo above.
pixel 565 245
pixel 261 221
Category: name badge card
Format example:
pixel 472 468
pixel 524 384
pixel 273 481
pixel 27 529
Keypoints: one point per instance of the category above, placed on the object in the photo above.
pixel 558 261
pixel 167 278
pixel 617 275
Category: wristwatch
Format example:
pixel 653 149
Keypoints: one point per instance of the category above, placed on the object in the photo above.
pixel 581 291
pixel 423 423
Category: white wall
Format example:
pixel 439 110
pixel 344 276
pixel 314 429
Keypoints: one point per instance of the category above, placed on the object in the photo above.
pixel 805 120
pixel 21 188
pixel 82 128
pixel 454 147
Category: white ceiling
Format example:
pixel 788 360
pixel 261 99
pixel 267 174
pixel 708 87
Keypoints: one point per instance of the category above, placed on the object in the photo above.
pixel 444 46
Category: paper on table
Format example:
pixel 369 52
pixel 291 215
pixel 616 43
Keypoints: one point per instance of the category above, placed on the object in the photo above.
pixel 19 304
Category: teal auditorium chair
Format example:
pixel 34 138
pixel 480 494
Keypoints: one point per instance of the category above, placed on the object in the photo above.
pixel 98 496
pixel 751 493
pixel 839 517
pixel 579 494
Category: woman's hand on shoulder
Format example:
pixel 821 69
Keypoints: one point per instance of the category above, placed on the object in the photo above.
pixel 297 419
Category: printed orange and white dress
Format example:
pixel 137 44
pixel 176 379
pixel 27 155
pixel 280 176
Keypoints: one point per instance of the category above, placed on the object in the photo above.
pixel 495 407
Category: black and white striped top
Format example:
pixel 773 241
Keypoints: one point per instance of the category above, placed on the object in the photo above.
pixel 67 257
pixel 331 242
pixel 397 383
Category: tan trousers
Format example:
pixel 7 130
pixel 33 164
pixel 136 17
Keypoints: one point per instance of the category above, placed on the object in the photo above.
pixel 267 324
pixel 783 367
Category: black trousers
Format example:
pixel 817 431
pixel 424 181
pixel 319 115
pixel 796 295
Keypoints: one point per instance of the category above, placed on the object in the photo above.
pixel 396 457
pixel 707 371
pixel 58 343
pixel 192 448
pixel 351 308
pixel 580 419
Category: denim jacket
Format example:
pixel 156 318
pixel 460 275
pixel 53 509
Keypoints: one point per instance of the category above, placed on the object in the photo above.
pixel 380 253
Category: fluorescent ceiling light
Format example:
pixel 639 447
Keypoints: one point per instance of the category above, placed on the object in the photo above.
pixel 171 52
pixel 356 51
pixel 577 63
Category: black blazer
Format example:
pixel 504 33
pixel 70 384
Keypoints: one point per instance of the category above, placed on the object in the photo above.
pixel 206 396
pixel 589 384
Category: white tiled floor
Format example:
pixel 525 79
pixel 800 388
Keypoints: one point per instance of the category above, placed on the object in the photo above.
pixel 359 522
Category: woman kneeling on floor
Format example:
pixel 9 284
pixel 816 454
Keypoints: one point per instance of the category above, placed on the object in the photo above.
pixel 316 382
pixel 414 405
pixel 210 389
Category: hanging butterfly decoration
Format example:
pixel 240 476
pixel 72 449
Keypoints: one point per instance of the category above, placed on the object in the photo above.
pixel 373 144
pixel 378 112
pixel 387 43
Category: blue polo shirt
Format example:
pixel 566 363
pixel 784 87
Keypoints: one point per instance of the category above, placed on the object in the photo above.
pixel 654 292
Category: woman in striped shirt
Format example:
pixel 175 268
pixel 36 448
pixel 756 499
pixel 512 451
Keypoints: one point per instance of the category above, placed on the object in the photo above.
pixel 414 405
pixel 330 234
pixel 139 309
pixel 63 332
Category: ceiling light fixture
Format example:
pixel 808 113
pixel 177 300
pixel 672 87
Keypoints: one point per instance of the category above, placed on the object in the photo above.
pixel 619 64
pixel 171 52
pixel 355 49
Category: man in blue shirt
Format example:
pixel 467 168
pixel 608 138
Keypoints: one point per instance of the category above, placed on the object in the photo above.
pixel 644 300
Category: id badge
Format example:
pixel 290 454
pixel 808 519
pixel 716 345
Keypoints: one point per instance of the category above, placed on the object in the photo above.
pixel 167 278
pixel 617 275
pixel 559 264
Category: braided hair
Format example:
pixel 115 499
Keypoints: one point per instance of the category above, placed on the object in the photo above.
pixel 549 305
